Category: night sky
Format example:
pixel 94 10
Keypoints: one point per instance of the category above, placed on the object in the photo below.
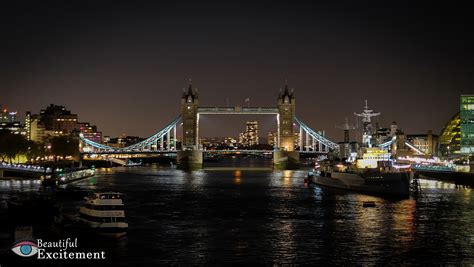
pixel 122 65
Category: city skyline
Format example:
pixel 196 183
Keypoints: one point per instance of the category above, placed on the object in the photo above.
pixel 111 63
pixel 269 125
pixel 234 133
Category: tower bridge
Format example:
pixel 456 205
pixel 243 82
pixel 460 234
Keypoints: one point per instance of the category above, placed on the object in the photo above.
pixel 190 155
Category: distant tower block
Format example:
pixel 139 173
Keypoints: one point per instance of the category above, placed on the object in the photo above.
pixel 286 108
pixel 346 127
pixel 189 113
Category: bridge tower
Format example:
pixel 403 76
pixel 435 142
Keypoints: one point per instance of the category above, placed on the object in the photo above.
pixel 286 157
pixel 286 110
pixel 190 155
pixel 189 115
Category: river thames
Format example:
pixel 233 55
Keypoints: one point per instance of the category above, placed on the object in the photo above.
pixel 249 215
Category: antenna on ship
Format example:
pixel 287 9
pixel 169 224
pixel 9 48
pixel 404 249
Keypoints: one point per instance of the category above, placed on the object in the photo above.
pixel 366 116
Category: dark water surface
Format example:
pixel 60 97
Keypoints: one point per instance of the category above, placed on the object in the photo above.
pixel 271 217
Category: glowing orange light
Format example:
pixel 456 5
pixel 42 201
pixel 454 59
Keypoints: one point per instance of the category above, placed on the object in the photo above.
pixel 237 175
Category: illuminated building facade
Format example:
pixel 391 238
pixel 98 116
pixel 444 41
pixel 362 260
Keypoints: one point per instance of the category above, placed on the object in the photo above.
pixel 3 114
pixel 66 123
pixel 56 120
pixel 427 143
pixel 229 141
pixel 37 130
pixel 450 138
pixel 272 138
pixel 6 116
pixel 28 125
pixel 467 124
pixel 242 139
pixel 8 122
pixel 14 127
pixel 250 136
pixel 89 131
pixel 252 133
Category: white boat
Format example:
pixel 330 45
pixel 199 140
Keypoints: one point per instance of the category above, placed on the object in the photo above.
pixel 104 213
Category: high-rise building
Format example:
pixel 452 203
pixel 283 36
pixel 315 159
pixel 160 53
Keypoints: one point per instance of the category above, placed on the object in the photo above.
pixel 272 138
pixel 28 125
pixel 66 123
pixel 12 116
pixel 8 122
pixel 3 114
pixel 449 141
pixel 37 130
pixel 467 124
pixel 14 127
pixel 242 139
pixel 250 136
pixel 252 133
pixel 89 131
pixel 58 119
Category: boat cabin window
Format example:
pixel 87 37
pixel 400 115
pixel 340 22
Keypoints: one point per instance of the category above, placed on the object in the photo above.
pixel 109 196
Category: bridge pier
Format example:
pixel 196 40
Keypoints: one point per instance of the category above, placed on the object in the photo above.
pixel 189 159
pixel 286 160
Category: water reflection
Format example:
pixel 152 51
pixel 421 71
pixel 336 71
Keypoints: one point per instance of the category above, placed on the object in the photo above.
pixel 22 185
pixel 237 175
pixel 239 216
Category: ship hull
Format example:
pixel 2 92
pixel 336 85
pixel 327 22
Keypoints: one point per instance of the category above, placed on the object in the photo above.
pixel 382 184
pixel 115 229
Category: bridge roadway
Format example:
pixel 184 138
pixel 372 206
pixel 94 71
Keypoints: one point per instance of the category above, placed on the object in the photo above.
pixel 237 110
pixel 173 152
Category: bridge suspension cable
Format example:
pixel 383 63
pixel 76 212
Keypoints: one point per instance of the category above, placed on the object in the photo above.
pixel 385 145
pixel 408 144
pixel 308 139
pixel 315 137
pixel 148 143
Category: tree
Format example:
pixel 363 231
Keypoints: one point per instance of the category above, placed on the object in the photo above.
pixel 3 143
pixel 11 145
pixel 64 146
pixel 34 150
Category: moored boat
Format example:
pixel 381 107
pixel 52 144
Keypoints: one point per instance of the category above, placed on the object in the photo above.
pixel 370 175
pixel 104 213
pixel 368 167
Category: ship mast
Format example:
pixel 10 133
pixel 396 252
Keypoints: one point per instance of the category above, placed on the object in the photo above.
pixel 366 115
